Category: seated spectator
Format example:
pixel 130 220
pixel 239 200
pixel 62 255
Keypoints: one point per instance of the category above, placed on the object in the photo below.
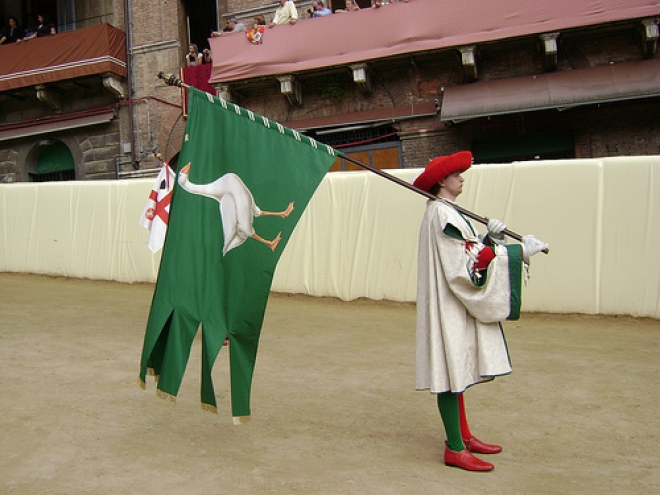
pixel 45 28
pixel 255 35
pixel 318 9
pixel 233 26
pixel 285 13
pixel 206 56
pixel 193 57
pixel 3 35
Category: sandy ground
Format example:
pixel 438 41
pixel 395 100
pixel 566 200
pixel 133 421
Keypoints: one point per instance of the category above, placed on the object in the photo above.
pixel 333 403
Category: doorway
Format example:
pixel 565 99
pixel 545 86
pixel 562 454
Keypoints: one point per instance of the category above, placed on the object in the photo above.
pixel 201 19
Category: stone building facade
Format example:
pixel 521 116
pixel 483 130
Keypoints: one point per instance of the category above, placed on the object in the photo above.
pixel 107 125
pixel 100 125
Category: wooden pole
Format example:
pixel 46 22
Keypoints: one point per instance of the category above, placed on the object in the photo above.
pixel 408 185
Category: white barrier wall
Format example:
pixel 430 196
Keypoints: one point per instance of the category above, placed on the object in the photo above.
pixel 358 237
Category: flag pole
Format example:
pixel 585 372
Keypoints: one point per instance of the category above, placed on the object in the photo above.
pixel 408 185
pixel 172 80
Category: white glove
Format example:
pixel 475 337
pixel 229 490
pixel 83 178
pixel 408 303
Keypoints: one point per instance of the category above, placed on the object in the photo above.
pixel 495 229
pixel 531 246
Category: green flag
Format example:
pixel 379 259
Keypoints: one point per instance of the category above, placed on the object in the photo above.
pixel 242 185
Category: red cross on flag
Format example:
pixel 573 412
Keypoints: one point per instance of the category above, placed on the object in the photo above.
pixel 157 211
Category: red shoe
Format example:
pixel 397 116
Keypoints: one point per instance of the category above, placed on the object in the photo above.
pixel 478 447
pixel 465 460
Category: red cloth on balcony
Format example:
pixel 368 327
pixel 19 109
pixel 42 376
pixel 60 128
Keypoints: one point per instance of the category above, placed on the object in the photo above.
pixel 198 77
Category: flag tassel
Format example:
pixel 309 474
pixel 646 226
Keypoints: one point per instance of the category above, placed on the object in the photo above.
pixel 166 396
pixel 209 408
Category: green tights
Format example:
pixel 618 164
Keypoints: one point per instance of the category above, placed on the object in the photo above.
pixel 449 411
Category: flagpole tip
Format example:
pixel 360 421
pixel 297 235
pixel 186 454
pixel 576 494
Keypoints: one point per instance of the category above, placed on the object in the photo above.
pixel 171 80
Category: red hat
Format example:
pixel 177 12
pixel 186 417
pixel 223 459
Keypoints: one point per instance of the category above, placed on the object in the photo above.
pixel 442 166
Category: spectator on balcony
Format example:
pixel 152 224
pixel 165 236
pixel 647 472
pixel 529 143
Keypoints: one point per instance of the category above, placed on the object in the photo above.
pixel 256 33
pixel 236 25
pixel 30 26
pixel 45 28
pixel 193 57
pixel 206 56
pixel 351 6
pixel 3 35
pixel 318 9
pixel 15 32
pixel 285 13
pixel 233 26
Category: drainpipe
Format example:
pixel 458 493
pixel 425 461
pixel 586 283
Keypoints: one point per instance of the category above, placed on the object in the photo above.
pixel 128 22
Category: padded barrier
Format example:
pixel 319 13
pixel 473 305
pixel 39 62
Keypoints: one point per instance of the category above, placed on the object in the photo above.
pixel 358 237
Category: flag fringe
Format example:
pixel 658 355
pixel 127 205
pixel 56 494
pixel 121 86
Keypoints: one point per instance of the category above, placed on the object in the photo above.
pixel 241 420
pixel 166 396
pixel 152 372
pixel 209 408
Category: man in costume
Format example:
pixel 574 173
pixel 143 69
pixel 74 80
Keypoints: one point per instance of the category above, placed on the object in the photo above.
pixel 466 286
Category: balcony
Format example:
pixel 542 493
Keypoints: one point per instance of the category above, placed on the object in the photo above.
pixel 404 30
pixel 62 74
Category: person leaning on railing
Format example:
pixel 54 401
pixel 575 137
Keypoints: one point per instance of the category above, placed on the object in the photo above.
pixel 15 32
pixel 233 26
pixel 45 28
pixel 319 9
pixel 285 13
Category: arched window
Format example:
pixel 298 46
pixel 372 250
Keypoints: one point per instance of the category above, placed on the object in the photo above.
pixel 51 160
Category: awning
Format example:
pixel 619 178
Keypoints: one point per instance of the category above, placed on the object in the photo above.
pixel 83 52
pixel 60 124
pixel 556 90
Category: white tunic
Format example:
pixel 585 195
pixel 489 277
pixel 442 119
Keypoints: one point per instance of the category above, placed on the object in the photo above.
pixel 459 338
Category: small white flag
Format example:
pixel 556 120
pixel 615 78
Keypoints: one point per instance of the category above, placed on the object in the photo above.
pixel 157 211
